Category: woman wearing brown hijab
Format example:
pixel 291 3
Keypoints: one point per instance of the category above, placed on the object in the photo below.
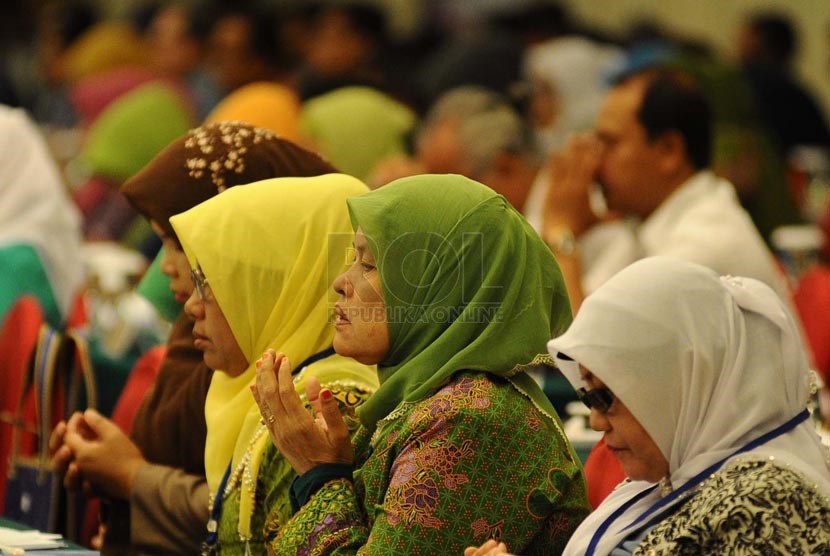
pixel 156 485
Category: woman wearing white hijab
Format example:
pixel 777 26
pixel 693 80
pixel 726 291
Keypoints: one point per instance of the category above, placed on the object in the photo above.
pixel 569 75
pixel 700 386
pixel 40 228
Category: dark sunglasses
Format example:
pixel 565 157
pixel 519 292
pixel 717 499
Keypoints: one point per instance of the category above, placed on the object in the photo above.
pixel 596 398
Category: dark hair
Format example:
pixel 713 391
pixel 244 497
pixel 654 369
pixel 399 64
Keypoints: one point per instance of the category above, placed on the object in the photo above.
pixel 673 102
pixel 142 17
pixel 200 16
pixel 365 19
pixel 265 38
pixel 776 35
pixel 75 18
pixel 534 21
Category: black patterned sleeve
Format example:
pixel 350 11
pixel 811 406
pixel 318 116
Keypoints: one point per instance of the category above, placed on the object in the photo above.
pixel 749 507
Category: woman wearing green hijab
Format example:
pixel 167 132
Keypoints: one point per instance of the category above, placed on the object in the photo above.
pixel 452 294
pixel 355 127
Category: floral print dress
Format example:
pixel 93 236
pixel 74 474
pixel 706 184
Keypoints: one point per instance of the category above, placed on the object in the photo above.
pixel 472 462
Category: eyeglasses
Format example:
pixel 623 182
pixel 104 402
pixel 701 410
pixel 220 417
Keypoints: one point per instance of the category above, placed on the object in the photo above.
pixel 596 398
pixel 199 281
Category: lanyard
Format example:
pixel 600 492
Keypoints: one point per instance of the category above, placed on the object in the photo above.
pixel 592 546
pixel 216 511
pixel 691 483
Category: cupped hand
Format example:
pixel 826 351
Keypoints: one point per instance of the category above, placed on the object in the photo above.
pixel 104 455
pixel 824 404
pixel 571 174
pixel 303 440
pixel 490 548
pixel 97 541
pixel 59 453
pixel 62 457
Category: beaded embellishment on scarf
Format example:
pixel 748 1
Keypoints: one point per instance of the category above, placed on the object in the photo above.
pixel 222 152
pixel 242 472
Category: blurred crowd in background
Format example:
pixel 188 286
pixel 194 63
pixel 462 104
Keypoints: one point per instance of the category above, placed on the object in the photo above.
pixel 489 94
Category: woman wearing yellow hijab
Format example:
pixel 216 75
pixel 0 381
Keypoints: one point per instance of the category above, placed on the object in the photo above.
pixel 104 47
pixel 263 258
pixel 266 104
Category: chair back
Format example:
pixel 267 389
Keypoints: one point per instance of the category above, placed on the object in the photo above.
pixel 18 338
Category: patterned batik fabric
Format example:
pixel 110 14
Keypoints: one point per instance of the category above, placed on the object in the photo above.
pixel 272 506
pixel 749 507
pixel 472 462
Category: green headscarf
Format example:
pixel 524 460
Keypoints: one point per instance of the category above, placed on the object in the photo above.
pixel 355 127
pixel 467 284
pixel 155 288
pixel 134 129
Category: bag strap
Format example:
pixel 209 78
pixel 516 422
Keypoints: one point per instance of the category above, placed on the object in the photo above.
pixel 45 388
pixel 39 377
pixel 79 369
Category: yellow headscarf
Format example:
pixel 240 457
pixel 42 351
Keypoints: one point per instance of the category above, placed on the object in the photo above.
pixel 263 104
pixel 270 252
pixel 104 47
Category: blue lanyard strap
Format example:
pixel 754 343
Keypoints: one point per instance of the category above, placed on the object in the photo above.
pixel 592 546
pixel 216 511
pixel 700 477
pixel 691 483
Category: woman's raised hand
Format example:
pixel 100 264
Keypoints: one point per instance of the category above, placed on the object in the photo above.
pixel 490 548
pixel 305 441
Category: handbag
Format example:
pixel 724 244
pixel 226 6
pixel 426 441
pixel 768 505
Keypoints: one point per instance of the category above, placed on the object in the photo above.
pixel 59 366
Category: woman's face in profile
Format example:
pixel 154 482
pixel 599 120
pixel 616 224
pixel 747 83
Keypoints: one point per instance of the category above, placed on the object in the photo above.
pixel 361 331
pixel 174 265
pixel 640 457
pixel 212 334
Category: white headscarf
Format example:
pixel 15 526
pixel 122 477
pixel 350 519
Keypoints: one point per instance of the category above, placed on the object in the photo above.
pixel 721 354
pixel 35 208
pixel 576 68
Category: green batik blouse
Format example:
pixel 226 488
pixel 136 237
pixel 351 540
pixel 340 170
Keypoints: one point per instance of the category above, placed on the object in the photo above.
pixel 272 506
pixel 477 460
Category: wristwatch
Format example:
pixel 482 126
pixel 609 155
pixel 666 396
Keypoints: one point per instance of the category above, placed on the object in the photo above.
pixel 561 241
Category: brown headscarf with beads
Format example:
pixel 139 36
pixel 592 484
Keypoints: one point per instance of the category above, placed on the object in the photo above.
pixel 209 159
